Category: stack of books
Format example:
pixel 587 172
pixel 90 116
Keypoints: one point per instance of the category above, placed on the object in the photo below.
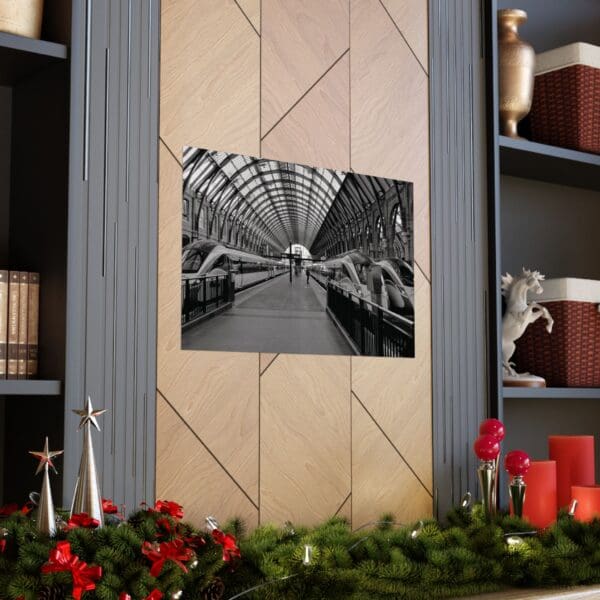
pixel 19 324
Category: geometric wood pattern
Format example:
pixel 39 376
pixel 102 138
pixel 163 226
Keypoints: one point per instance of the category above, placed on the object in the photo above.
pixel 274 437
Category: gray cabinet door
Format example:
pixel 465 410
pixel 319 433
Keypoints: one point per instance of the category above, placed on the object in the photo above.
pixel 459 243
pixel 112 271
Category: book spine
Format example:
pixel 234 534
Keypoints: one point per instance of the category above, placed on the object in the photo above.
pixel 3 322
pixel 33 325
pixel 12 370
pixel 23 309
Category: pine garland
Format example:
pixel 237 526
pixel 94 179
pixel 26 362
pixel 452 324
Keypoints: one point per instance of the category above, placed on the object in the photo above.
pixel 465 556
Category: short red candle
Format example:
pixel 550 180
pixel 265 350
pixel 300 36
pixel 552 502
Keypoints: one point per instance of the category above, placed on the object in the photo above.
pixel 588 501
pixel 539 507
pixel 574 456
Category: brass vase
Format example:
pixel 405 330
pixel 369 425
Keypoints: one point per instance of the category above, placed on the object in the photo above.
pixel 515 71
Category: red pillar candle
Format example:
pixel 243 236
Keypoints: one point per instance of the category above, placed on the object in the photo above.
pixel 588 501
pixel 574 456
pixel 539 507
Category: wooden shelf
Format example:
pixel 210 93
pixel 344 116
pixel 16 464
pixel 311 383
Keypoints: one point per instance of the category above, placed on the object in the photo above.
pixel 556 393
pixel 30 387
pixel 21 57
pixel 522 158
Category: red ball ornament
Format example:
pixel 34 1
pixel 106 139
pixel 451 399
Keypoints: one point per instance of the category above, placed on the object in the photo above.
pixel 487 447
pixel 517 463
pixel 493 427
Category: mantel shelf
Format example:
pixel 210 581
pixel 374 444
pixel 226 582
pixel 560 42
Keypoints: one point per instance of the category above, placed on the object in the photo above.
pixel 30 387
pixel 522 158
pixel 21 56
pixel 549 392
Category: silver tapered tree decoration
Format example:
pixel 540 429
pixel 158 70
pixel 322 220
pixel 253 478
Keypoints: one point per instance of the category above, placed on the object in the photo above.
pixel 87 497
pixel 46 518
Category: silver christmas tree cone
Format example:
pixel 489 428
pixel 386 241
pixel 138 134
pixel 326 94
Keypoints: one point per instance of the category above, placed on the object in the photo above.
pixel 46 517
pixel 87 497
pixel 487 480
pixel 517 488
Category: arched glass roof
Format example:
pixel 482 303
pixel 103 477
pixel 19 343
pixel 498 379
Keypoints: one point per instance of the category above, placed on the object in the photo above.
pixel 282 202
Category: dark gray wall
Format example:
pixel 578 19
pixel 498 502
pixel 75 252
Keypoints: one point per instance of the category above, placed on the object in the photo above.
pixel 559 224
pixel 459 243
pixel 111 331
pixel 5 120
pixel 5 140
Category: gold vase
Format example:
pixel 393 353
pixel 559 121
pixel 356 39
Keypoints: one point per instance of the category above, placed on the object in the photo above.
pixel 515 71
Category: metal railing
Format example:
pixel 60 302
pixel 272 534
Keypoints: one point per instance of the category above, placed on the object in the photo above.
pixel 202 295
pixel 374 330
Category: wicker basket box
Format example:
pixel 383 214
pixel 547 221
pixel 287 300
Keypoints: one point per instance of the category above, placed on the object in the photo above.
pixel 570 355
pixel 566 98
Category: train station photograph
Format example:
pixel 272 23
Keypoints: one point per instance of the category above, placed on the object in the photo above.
pixel 285 258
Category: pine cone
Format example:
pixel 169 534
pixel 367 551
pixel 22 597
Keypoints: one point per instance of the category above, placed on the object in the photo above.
pixel 214 590
pixel 52 592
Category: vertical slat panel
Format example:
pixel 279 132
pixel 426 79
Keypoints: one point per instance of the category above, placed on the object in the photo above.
pixel 459 243
pixel 111 335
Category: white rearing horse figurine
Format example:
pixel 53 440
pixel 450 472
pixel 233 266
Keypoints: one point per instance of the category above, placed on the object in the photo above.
pixel 518 313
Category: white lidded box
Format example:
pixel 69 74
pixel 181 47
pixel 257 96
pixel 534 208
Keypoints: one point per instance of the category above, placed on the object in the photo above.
pixel 22 17
pixel 570 355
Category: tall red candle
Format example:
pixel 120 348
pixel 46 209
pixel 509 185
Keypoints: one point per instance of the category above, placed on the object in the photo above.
pixel 539 507
pixel 574 456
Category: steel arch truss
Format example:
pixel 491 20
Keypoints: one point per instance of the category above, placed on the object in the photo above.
pixel 265 204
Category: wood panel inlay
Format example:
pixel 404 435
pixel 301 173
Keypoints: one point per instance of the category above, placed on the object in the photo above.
pixel 190 475
pixel 300 41
pixel 215 392
pixel 397 391
pixel 315 131
pixel 381 481
pixel 305 438
pixel 390 120
pixel 251 9
pixel 209 77
pixel 410 16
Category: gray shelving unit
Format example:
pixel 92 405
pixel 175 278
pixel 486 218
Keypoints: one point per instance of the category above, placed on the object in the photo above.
pixel 78 204
pixel 544 204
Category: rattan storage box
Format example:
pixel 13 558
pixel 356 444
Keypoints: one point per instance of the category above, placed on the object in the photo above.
pixel 570 355
pixel 566 98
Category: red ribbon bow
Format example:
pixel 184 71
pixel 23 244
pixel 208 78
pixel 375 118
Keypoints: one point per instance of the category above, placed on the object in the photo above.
pixel 159 554
pixel 2 546
pixel 169 508
pixel 230 549
pixel 61 559
pixel 108 507
pixel 82 520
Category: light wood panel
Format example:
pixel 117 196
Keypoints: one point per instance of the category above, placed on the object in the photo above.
pixel 251 9
pixel 410 16
pixel 381 481
pixel 300 41
pixel 390 119
pixel 305 438
pixel 266 359
pixel 184 463
pixel 397 391
pixel 316 132
pixel 209 77
pixel 365 109
pixel 216 392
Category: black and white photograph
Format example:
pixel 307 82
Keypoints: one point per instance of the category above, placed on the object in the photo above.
pixel 279 257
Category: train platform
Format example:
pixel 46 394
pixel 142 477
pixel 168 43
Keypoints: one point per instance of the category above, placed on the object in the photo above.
pixel 276 316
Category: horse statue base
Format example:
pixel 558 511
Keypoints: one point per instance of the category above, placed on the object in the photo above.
pixel 524 380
